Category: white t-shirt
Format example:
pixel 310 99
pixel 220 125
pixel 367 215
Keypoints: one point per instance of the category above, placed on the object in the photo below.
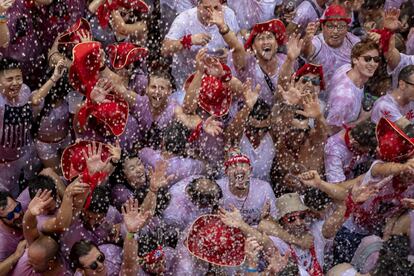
pixel 179 5
pixel 251 206
pixel 345 99
pixel 304 255
pixel 387 107
pixel 306 13
pixel 187 23
pixel 261 158
pixel 251 12
pixel 332 58
pixel 405 60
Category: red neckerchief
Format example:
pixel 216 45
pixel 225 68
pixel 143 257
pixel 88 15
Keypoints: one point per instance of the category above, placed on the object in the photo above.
pixel 93 180
pixel 384 39
pixel 315 268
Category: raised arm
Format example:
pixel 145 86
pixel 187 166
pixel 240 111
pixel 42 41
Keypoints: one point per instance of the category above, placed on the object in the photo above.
pixel 392 23
pixel 308 49
pixel 94 5
pixel 4 28
pixel 294 47
pixel 391 168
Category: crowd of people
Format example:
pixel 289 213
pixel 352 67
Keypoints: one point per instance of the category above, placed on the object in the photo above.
pixel 207 137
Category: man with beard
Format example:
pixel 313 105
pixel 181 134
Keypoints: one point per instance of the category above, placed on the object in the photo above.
pixel 12 243
pixel 347 89
pixel 193 29
pixel 247 194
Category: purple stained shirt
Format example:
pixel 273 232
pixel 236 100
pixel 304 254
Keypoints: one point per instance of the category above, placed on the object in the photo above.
pixel 113 259
pixel 405 60
pixel 77 231
pixel 23 268
pixel 56 121
pixel 9 239
pixel 252 205
pixel 345 99
pixel 119 195
pixel 386 106
pixel 178 166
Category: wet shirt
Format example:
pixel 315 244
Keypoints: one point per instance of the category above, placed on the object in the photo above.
pixel 387 107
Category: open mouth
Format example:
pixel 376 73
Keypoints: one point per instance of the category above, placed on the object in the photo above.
pixel 267 49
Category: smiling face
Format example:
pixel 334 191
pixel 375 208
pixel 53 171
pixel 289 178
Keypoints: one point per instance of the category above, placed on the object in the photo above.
pixel 265 45
pixel 12 214
pixel 239 176
pixel 334 33
pixel 309 84
pixel 158 91
pixel 11 82
pixel 296 223
pixel 93 263
pixel 366 64
pixel 134 172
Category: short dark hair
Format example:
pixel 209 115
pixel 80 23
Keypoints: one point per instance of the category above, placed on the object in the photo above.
pixel 364 134
pixel 162 74
pixel 316 199
pixel 9 64
pixel 3 198
pixel 100 200
pixel 175 138
pixel 42 182
pixel 78 250
pixel 406 72
pixel 261 110
pixel 373 4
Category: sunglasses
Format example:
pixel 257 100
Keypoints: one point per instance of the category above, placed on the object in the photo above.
pixel 94 265
pixel 376 59
pixel 17 209
pixel 293 217
pixel 315 81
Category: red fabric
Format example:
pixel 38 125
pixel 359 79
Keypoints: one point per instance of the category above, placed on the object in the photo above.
pixel 154 256
pixel 125 53
pixel 335 13
pixel 309 68
pixel 239 158
pixel 350 206
pixel 385 39
pixel 72 161
pixel 112 114
pixel 104 11
pixel 393 144
pixel 93 181
pixel 315 268
pixel 186 42
pixel 71 35
pixel 275 26
pixel 211 240
pixel 84 72
pixel 356 154
pixel 196 133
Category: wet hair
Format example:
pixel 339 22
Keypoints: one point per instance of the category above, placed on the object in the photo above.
pixel 364 134
pixel 405 73
pixel 100 200
pixel 316 199
pixel 261 110
pixel 9 64
pixel 393 257
pixel 191 189
pixel 175 138
pixel 78 250
pixel 362 47
pixel 373 4
pixel 118 176
pixel 42 182
pixel 3 198
pixel 162 74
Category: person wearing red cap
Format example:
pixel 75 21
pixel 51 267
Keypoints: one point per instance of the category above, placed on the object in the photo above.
pixel 347 87
pixel 193 29
pixel 332 47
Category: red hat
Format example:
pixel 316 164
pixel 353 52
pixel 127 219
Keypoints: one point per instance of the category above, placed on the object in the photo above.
pixel 235 159
pixel 125 53
pixel 335 13
pixel 309 68
pixel 393 144
pixel 104 11
pixel 213 97
pixel 73 163
pixel 275 26
pixel 84 72
pixel 113 113
pixel 210 240
pixel 71 36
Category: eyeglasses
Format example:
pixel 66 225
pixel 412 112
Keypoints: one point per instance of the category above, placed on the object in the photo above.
pixel 94 265
pixel 376 59
pixel 293 217
pixel 315 81
pixel 17 209
pixel 339 27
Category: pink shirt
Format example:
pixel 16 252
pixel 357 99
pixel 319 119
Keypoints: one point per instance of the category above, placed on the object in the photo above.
pixel 332 58
pixel 387 107
pixel 345 99
pixel 252 205
pixel 56 121
pixel 8 241
pixel 23 268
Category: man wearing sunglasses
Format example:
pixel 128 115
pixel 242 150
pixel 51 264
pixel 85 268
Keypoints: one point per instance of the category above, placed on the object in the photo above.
pixel 12 243
pixel 398 105
pixel 346 91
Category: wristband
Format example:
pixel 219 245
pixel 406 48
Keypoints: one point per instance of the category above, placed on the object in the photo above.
pixel 226 30
pixel 151 190
pixel 186 42
pixel 251 269
pixel 196 133
pixel 350 206
pixel 130 235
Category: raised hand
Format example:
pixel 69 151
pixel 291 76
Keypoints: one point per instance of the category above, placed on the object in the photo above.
pixel 84 36
pixel 361 193
pixel 200 39
pixel 250 96
pixel 200 57
pixel 38 204
pixel 311 106
pixel 310 179
pixel 60 69
pixel 217 18
pixel 391 19
pixel 294 46
pixel 213 127
pixel 276 262
pixel 5 5
pixel 77 187
pixel 408 202
pixel 252 249
pixel 291 95
pixel 115 151
pixel 265 214
pixel 93 157
pixel 232 218
pixel 158 176
pixel 134 220
pixel 311 30
pixel 102 88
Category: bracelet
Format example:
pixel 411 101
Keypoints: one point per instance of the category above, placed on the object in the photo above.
pixel 53 80
pixel 186 42
pixel 151 190
pixel 251 269
pixel 130 235
pixel 226 31
pixel 196 133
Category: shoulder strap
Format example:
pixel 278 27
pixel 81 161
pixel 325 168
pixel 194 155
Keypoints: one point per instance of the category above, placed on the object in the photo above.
pixel 315 8
pixel 268 81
